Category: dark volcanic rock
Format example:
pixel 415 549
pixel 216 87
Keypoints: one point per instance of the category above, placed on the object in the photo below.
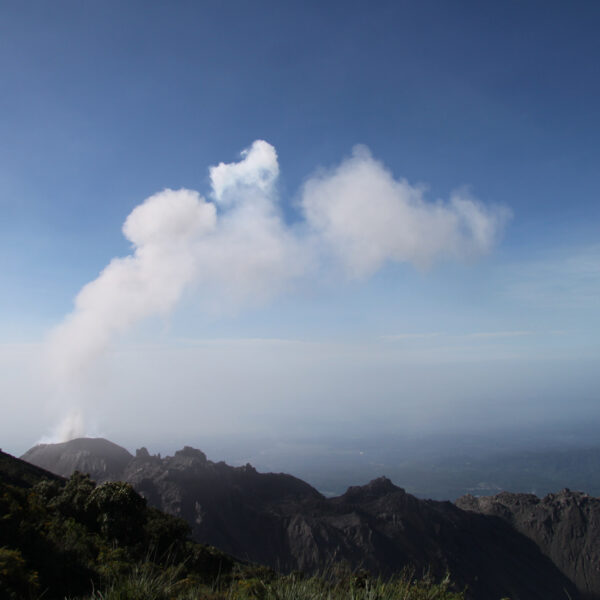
pixel 102 459
pixel 281 521
pixel 382 528
pixel 236 509
pixel 565 526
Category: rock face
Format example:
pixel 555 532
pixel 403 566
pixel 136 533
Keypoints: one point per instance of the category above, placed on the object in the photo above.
pixel 233 508
pixel 281 521
pixel 97 456
pixel 565 526
pixel 382 528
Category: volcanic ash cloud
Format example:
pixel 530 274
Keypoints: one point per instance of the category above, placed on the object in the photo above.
pixel 236 247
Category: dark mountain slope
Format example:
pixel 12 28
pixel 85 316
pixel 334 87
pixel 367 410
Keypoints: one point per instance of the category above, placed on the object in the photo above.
pixel 382 528
pixel 281 521
pixel 565 526
pixel 15 471
pixel 237 508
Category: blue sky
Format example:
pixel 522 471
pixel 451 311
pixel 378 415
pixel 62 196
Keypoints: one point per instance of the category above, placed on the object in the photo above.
pixel 105 104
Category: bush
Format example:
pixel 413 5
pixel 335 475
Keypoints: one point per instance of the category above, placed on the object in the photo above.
pixel 16 580
pixel 118 511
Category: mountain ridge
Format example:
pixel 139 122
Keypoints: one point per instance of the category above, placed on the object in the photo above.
pixel 283 522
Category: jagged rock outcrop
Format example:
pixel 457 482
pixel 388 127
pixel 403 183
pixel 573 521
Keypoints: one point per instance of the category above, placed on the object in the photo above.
pixel 104 460
pixel 281 521
pixel 565 526
pixel 236 508
pixel 382 528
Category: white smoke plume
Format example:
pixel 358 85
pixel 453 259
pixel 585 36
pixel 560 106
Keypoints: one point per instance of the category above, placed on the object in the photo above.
pixel 367 217
pixel 237 246
pixel 163 231
pixel 71 426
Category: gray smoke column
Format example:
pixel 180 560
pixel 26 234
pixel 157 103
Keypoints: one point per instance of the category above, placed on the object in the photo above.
pixel 235 246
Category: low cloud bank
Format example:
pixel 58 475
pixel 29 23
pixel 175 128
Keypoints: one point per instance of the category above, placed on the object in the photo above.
pixel 236 246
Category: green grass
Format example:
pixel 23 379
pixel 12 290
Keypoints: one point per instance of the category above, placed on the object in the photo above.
pixel 167 585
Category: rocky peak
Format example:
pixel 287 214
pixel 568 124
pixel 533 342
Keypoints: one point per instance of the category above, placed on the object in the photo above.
pixel 142 453
pixel 373 490
pixel 563 525
pixel 102 459
pixel 566 498
pixel 189 452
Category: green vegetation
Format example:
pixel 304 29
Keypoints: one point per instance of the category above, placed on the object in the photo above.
pixel 66 539
pixel 250 587
pixel 77 540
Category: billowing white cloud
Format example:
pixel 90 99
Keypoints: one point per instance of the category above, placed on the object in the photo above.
pixel 366 217
pixel 243 254
pixel 239 250
pixel 258 170
pixel 253 254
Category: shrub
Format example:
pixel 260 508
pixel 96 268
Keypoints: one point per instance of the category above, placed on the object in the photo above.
pixel 16 580
pixel 118 511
